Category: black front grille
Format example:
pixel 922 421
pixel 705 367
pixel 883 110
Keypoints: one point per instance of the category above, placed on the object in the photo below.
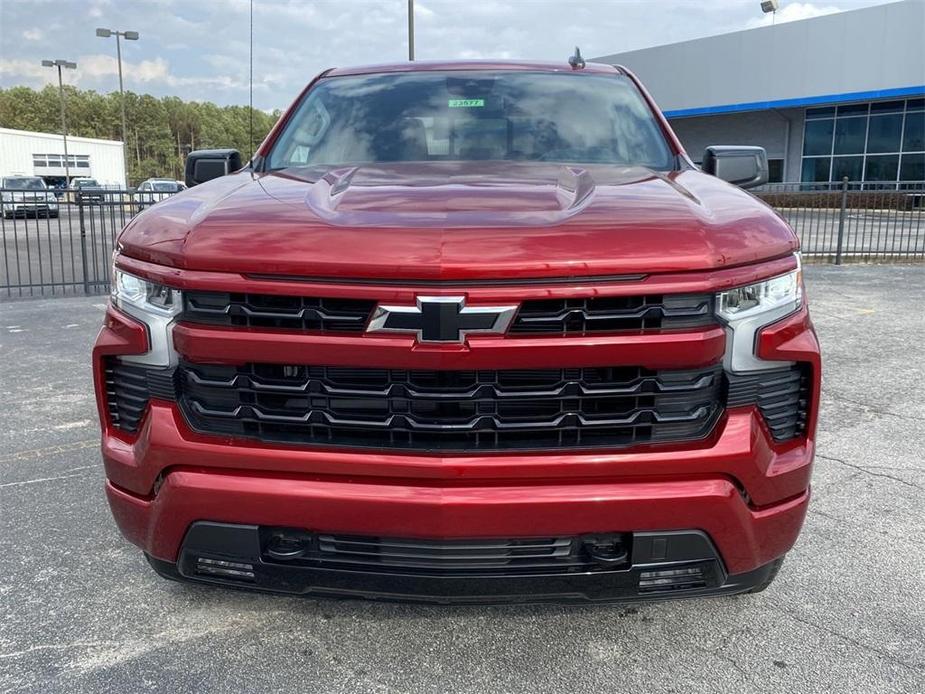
pixel 269 311
pixel 451 410
pixel 544 316
pixel 129 387
pixel 608 314
pixel 782 396
pixel 448 557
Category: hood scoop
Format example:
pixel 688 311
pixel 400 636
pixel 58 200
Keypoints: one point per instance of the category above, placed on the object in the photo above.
pixel 380 196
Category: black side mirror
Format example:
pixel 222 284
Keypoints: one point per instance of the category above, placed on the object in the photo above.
pixel 205 164
pixel 745 167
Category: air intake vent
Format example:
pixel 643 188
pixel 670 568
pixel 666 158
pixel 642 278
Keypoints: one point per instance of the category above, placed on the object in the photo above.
pixel 447 557
pixel 129 387
pixel 782 396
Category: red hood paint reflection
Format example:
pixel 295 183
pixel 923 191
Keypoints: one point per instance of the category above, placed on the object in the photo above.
pixel 458 221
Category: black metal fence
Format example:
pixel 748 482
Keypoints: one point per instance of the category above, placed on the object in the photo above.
pixel 853 222
pixel 63 245
pixel 60 244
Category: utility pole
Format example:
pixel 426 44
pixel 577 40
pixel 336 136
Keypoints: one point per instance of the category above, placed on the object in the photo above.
pixel 59 63
pixel 411 30
pixel 128 36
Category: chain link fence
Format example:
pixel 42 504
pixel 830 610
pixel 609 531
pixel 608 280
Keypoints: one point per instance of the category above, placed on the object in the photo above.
pixel 62 245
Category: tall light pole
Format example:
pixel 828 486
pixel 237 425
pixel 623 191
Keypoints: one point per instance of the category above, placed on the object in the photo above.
pixel 411 30
pixel 128 36
pixel 59 63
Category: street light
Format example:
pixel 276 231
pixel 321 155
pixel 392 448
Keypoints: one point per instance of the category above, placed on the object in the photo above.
pixel 770 7
pixel 128 36
pixel 411 30
pixel 59 63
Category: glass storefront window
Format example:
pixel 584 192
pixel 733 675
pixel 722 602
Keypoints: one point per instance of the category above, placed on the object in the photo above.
pixel 880 141
pixel 849 135
pixel 885 133
pixel 914 134
pixel 818 137
pixel 887 107
pixel 816 169
pixel 852 167
pixel 912 167
pixel 881 168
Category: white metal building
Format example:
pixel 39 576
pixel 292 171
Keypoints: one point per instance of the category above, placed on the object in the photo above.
pixel 24 153
pixel 833 96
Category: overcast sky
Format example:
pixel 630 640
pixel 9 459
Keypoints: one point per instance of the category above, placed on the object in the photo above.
pixel 198 49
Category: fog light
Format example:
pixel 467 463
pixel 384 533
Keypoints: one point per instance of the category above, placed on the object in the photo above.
pixel 671 579
pixel 226 569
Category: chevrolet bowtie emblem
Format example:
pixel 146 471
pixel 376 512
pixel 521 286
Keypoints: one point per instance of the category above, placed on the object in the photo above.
pixel 441 319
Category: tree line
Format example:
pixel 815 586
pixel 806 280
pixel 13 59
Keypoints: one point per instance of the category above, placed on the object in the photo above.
pixel 159 131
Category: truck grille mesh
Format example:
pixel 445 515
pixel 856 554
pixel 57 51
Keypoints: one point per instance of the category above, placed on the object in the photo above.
pixel 610 314
pixel 451 410
pixel 545 317
pixel 268 311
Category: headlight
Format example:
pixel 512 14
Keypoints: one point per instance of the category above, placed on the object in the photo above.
pixel 155 305
pixel 762 297
pixel 746 310
pixel 128 290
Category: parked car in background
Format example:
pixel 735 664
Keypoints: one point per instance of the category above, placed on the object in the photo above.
pixel 156 189
pixel 85 190
pixel 27 195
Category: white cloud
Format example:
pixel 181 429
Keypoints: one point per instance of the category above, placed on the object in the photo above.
pixel 199 50
pixel 28 71
pixel 98 65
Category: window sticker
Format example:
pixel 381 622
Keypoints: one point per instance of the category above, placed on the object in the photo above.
pixel 466 103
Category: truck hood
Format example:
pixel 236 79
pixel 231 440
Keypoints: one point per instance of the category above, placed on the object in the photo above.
pixel 459 221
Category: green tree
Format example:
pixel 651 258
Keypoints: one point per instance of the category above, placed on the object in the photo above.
pixel 160 131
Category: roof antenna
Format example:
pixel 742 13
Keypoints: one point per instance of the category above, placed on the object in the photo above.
pixel 576 61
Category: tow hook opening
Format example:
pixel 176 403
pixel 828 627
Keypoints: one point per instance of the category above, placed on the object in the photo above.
pixel 607 550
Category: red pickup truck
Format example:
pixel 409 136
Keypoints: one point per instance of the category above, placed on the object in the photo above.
pixel 462 332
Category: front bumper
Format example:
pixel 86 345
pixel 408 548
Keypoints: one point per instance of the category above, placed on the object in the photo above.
pixel 659 566
pixel 30 207
pixel 191 477
pixel 747 494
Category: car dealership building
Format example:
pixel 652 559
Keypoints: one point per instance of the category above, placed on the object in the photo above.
pixel 25 153
pixel 834 96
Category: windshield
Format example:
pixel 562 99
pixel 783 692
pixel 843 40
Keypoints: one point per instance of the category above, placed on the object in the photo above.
pixel 24 183
pixel 469 116
pixel 164 187
pixel 87 183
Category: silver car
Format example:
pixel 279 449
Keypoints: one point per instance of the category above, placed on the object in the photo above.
pixel 27 195
pixel 156 189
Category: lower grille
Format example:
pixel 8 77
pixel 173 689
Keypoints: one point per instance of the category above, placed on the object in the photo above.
pixel 782 396
pixel 481 556
pixel 451 410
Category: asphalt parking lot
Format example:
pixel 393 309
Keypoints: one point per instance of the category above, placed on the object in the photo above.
pixel 82 612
